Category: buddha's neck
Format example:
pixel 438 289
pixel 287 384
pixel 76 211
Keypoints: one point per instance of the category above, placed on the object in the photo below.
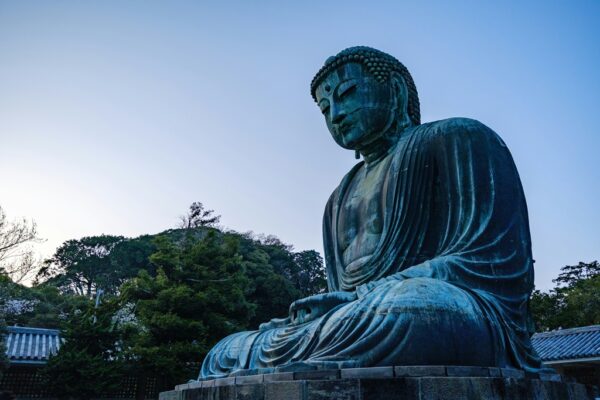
pixel 379 149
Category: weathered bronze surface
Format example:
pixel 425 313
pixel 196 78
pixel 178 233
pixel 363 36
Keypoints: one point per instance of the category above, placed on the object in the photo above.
pixel 427 241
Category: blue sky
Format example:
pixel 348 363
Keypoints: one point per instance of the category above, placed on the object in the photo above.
pixel 115 116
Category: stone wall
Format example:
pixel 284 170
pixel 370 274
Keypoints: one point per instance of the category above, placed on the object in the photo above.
pixel 423 383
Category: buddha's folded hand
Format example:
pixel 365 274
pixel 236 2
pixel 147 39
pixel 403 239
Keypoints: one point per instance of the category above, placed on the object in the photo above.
pixel 312 307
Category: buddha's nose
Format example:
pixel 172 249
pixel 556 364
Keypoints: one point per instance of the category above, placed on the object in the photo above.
pixel 337 115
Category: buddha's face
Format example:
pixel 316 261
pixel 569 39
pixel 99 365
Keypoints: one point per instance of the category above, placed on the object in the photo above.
pixel 357 108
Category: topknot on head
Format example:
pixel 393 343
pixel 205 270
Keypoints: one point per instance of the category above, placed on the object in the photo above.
pixel 380 65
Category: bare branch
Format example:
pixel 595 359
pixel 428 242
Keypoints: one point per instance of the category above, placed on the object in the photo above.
pixel 23 268
pixel 16 257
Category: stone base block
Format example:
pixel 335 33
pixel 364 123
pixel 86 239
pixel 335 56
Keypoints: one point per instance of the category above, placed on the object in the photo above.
pixel 390 383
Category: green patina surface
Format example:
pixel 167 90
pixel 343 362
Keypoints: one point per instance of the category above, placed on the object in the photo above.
pixel 426 241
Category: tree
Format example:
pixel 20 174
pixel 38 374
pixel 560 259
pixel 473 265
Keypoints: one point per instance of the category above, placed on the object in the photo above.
pixel 196 298
pixel 16 258
pixel 312 278
pixel 83 266
pixel 270 292
pixel 574 301
pixel 130 256
pixel 545 310
pixel 277 275
pixel 41 305
pixel 3 297
pixel 304 269
pixel 583 302
pixel 97 262
pixel 89 363
pixel 571 275
pixel 197 217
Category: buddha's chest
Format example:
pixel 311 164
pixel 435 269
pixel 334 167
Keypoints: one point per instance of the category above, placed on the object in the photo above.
pixel 362 212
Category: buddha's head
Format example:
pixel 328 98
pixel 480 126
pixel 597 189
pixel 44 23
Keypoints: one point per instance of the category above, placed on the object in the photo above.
pixel 365 95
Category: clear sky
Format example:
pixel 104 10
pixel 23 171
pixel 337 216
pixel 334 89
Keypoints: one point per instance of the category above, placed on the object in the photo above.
pixel 116 115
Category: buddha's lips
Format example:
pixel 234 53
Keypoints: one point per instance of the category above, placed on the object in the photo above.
pixel 347 123
pixel 342 128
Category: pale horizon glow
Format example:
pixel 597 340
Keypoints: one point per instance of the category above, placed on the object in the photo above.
pixel 116 116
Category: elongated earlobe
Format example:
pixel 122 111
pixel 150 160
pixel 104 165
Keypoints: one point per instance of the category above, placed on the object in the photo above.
pixel 401 93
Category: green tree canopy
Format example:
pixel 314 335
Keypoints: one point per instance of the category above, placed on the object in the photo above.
pixel 89 363
pixel 39 306
pixel 169 297
pixel 196 297
pixel 574 301
pixel 97 262
pixel 83 266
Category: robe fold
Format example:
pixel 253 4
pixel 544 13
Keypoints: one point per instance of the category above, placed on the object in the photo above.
pixel 449 281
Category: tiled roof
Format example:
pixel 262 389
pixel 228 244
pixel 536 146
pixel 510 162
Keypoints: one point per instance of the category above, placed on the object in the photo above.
pixel 568 344
pixel 31 345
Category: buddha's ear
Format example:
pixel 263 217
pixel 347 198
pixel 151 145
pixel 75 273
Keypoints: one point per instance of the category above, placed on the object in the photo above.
pixel 400 90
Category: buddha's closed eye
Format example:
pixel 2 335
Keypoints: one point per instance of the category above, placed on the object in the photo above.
pixel 346 88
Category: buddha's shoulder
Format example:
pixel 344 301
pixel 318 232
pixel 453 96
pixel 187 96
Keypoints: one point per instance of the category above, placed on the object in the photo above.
pixel 455 130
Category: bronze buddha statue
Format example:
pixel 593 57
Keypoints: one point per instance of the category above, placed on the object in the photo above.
pixel 427 243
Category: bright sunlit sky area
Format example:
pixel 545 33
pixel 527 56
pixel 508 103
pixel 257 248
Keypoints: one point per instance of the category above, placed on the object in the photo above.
pixel 116 115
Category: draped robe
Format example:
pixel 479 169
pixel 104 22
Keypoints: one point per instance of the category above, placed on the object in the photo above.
pixel 449 281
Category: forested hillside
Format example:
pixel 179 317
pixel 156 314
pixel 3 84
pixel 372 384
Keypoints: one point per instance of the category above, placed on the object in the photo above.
pixel 155 304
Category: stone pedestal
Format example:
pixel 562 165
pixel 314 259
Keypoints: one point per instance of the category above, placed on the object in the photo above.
pixel 390 383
